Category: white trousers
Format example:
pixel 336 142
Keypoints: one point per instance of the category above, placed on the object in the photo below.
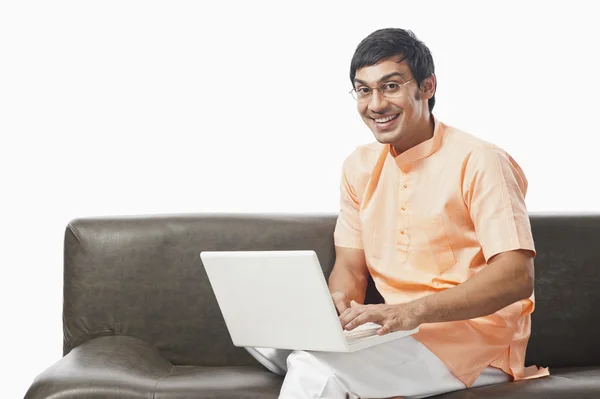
pixel 403 367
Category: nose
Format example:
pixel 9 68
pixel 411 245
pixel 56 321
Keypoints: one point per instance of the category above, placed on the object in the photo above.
pixel 377 102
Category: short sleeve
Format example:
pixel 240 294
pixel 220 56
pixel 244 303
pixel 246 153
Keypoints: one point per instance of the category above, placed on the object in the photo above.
pixel 494 190
pixel 347 229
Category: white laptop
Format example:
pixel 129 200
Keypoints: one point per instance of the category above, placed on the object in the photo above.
pixel 280 299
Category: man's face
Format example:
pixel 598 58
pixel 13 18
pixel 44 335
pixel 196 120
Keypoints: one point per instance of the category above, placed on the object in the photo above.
pixel 392 120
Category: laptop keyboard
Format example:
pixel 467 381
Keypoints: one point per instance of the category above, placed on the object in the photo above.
pixel 355 335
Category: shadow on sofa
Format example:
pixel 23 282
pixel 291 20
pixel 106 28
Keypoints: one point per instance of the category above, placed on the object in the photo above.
pixel 140 319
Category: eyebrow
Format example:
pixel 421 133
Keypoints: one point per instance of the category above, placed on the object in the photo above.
pixel 383 78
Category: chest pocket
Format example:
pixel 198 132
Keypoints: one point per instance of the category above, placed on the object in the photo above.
pixel 385 242
pixel 430 248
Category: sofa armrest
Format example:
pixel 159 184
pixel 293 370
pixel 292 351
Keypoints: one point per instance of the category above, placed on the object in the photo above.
pixel 105 367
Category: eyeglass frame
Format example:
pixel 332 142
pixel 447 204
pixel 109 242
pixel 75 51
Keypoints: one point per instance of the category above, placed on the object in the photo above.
pixel 400 85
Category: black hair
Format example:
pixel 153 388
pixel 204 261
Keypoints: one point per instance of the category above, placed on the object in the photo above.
pixel 389 42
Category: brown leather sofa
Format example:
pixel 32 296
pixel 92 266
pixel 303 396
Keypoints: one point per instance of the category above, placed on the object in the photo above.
pixel 141 321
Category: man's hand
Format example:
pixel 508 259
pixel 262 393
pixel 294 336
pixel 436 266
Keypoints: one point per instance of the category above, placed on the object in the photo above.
pixel 390 317
pixel 341 301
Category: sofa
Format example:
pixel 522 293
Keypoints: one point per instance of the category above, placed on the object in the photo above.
pixel 140 318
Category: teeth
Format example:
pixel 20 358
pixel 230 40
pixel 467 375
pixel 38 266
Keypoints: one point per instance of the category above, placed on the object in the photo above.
pixel 383 120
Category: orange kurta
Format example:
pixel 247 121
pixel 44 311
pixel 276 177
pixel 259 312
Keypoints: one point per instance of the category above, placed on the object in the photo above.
pixel 430 218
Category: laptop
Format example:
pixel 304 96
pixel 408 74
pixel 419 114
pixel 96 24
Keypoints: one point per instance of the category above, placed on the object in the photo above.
pixel 280 299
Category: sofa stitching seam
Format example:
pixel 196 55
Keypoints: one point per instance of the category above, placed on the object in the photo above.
pixel 161 378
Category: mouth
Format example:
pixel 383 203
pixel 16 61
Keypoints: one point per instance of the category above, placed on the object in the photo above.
pixel 385 122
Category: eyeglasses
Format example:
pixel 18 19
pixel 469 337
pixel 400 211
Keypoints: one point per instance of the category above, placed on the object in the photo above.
pixel 388 90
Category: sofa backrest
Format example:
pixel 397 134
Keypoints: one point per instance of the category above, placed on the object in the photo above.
pixel 566 321
pixel 142 276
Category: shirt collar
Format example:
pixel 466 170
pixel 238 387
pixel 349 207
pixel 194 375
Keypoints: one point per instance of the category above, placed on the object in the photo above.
pixel 421 150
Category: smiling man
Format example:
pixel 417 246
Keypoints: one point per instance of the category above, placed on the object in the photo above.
pixel 437 218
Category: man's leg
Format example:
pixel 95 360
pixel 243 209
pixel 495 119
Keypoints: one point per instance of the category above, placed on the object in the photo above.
pixel 403 367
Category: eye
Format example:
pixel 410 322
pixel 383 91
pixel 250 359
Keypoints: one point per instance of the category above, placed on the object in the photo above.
pixel 363 90
pixel 391 86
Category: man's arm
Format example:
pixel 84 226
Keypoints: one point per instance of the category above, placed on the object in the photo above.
pixel 508 278
pixel 349 277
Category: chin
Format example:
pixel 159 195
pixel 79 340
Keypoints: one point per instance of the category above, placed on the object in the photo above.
pixel 386 137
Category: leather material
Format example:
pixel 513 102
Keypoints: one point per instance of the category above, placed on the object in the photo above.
pixel 107 367
pixel 566 323
pixel 245 382
pixel 564 383
pixel 126 367
pixel 137 301
pixel 143 277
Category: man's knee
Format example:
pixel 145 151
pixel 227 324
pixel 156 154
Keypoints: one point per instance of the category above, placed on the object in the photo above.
pixel 304 361
pixel 308 377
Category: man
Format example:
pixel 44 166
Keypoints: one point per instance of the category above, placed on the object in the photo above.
pixel 437 217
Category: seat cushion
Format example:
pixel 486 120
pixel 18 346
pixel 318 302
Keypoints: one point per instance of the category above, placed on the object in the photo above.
pixel 125 367
pixel 564 383
pixel 245 382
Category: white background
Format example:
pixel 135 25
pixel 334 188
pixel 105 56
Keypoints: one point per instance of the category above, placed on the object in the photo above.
pixel 131 107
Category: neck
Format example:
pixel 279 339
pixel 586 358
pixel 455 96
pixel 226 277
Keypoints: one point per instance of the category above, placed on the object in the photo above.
pixel 421 132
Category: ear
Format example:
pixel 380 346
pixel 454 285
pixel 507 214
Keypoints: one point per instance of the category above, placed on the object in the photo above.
pixel 428 87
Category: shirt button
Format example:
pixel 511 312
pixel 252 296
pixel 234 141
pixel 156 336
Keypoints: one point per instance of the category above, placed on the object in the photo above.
pixel 401 231
pixel 403 207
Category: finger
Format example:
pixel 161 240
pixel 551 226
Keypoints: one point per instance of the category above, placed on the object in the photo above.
pixel 353 305
pixel 361 319
pixel 385 329
pixel 349 315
